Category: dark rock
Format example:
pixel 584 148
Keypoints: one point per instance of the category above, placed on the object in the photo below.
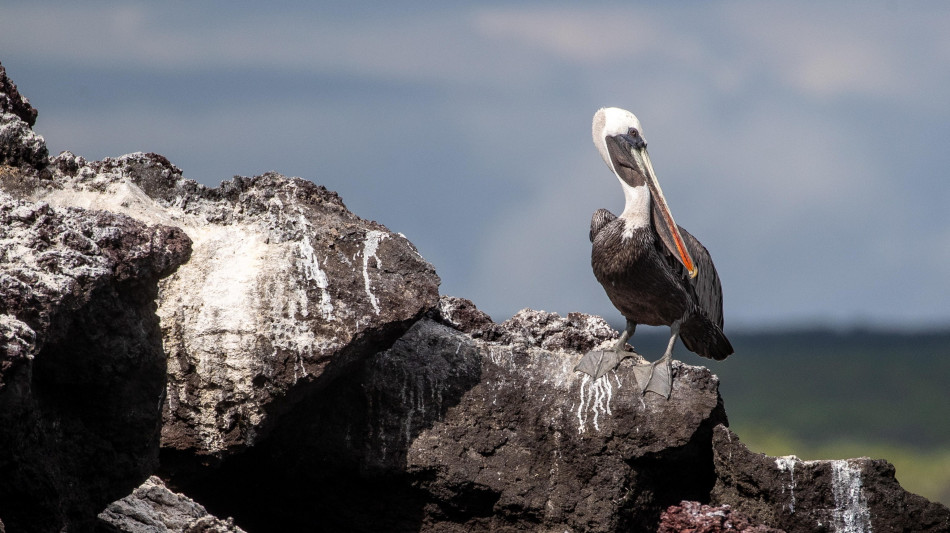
pixel 445 432
pixel 846 495
pixel 534 445
pixel 153 508
pixel 694 517
pixel 19 145
pixel 82 371
pixel 284 284
pixel 11 101
pixel 462 315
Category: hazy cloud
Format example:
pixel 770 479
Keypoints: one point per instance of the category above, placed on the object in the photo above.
pixel 803 144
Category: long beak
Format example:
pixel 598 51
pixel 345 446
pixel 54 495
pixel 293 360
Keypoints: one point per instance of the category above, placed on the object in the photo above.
pixel 638 160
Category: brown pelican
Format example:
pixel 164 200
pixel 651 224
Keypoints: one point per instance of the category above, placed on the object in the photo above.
pixel 653 271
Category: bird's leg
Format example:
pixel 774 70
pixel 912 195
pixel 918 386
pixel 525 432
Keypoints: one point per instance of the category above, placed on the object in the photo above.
pixel 658 377
pixel 599 362
pixel 625 336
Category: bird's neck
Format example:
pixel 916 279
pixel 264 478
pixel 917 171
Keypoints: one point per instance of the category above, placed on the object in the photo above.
pixel 636 209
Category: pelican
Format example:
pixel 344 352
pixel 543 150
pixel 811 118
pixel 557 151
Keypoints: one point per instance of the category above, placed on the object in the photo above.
pixel 653 271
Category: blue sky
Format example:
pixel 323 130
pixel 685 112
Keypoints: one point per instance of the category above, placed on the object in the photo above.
pixel 804 144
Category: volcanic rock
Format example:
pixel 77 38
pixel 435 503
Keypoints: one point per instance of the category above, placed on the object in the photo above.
pixel 11 101
pixel 694 517
pixel 19 145
pixel 446 432
pixel 845 495
pixel 284 285
pixel 82 372
pixel 153 508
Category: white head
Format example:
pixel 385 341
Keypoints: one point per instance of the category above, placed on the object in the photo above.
pixel 610 121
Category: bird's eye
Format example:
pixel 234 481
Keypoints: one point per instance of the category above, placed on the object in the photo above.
pixel 633 131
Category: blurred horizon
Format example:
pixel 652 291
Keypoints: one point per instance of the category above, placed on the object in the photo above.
pixel 803 145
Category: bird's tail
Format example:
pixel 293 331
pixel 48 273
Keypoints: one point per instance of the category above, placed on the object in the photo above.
pixel 706 339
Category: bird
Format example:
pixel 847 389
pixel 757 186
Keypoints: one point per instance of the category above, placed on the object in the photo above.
pixel 653 271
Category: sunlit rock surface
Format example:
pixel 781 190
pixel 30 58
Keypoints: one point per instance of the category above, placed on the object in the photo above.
pixel 844 495
pixel 153 508
pixel 284 283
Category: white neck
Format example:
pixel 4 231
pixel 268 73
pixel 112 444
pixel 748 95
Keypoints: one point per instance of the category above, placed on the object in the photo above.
pixel 636 209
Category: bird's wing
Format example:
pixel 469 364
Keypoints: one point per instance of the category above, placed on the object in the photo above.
pixel 706 283
pixel 598 220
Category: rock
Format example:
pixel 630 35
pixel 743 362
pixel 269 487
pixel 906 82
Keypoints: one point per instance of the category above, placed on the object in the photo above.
pixel 846 495
pixel 446 432
pixel 19 145
pixel 153 508
pixel 462 315
pixel 695 517
pixel 535 445
pixel 11 101
pixel 284 285
pixel 82 371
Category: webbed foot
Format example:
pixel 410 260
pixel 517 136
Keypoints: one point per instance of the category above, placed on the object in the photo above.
pixel 656 377
pixel 599 362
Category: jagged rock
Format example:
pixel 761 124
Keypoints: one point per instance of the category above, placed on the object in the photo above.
pixel 535 445
pixel 694 517
pixel 82 371
pixel 153 508
pixel 446 432
pixel 19 145
pixel 11 101
pixel 846 495
pixel 284 285
pixel 462 315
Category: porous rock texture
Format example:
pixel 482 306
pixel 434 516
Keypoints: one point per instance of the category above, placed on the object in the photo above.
pixel 844 495
pixel 19 145
pixel 694 517
pixel 448 432
pixel 285 287
pixel 82 372
pixel 154 508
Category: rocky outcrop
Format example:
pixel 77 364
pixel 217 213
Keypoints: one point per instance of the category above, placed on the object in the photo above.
pixel 448 432
pixel 153 508
pixel 534 445
pixel 82 372
pixel 845 495
pixel 284 285
pixel 19 145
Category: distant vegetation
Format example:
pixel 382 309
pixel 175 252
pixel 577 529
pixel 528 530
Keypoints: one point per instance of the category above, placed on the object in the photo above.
pixel 822 394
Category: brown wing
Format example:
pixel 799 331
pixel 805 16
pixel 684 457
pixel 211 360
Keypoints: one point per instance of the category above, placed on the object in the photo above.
pixel 706 282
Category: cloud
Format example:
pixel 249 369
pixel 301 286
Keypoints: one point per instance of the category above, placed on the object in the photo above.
pixel 800 143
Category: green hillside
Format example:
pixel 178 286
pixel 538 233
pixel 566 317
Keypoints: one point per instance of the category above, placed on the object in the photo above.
pixel 823 394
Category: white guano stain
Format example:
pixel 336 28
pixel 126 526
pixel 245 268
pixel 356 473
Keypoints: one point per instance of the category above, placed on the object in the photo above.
pixel 596 399
pixel 313 272
pixel 787 464
pixel 370 246
pixel 851 513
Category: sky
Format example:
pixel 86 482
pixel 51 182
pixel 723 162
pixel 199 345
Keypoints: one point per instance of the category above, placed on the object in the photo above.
pixel 803 143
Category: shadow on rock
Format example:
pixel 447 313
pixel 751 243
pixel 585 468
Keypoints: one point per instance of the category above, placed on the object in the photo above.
pixel 338 460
